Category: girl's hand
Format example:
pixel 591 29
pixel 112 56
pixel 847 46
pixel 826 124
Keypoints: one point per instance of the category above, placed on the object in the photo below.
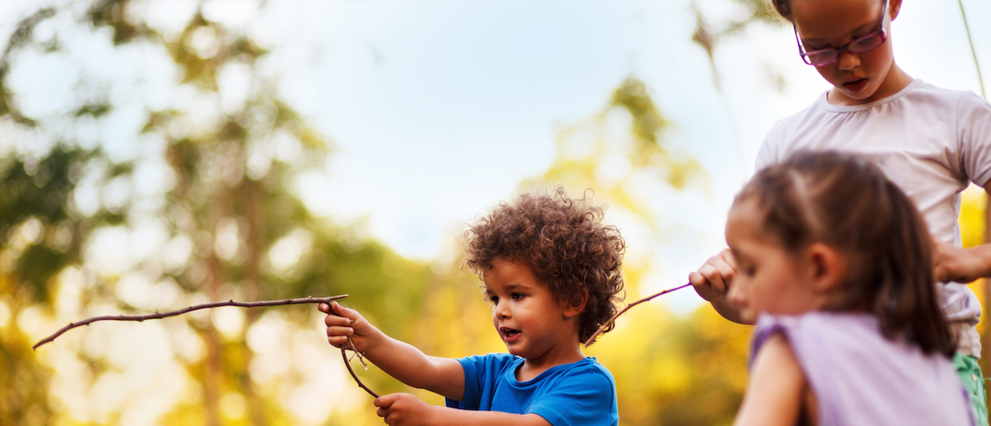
pixel 712 282
pixel 404 409
pixel 952 263
pixel 713 279
pixel 343 323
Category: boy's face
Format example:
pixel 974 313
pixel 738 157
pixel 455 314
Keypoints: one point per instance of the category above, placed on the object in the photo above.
pixel 529 319
pixel 856 78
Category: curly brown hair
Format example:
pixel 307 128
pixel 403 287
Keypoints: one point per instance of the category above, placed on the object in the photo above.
pixel 566 245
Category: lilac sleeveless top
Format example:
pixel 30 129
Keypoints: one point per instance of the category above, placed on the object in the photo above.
pixel 861 378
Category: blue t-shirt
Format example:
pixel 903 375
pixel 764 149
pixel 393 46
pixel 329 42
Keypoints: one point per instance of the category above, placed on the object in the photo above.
pixel 580 393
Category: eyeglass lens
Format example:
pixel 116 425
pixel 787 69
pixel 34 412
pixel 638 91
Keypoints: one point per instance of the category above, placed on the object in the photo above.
pixel 862 45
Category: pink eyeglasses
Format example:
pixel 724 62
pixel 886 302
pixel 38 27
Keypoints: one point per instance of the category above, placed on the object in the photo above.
pixel 863 44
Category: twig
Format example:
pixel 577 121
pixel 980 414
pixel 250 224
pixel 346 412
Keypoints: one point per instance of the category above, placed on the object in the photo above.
pixel 606 324
pixel 157 315
pixel 355 376
pixel 160 315
pixel 973 52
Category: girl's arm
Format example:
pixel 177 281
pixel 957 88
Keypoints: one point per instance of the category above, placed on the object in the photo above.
pixel 400 360
pixel 407 410
pixel 962 265
pixel 776 387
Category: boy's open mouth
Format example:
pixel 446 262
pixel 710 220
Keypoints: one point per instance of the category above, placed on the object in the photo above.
pixel 508 332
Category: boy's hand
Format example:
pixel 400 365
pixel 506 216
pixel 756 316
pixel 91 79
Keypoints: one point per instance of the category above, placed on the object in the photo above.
pixel 342 323
pixel 403 409
pixel 714 277
pixel 952 263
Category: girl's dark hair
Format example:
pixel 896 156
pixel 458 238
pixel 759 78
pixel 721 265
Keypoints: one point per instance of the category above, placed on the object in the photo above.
pixel 783 8
pixel 847 203
pixel 566 245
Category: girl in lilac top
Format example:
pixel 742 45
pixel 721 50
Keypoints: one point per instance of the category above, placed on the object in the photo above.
pixel 835 267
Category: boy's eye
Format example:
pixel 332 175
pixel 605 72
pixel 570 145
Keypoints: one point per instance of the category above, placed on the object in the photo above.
pixel 494 300
pixel 517 296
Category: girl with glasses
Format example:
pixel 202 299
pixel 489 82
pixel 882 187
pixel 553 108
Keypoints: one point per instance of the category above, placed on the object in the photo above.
pixel 931 142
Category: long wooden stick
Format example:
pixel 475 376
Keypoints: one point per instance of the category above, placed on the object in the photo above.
pixel 159 315
pixel 613 319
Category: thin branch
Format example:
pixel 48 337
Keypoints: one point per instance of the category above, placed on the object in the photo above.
pixel 973 52
pixel 607 324
pixel 157 315
pixel 160 315
pixel 348 365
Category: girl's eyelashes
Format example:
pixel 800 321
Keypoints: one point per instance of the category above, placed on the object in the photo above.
pixel 749 271
pixel 515 296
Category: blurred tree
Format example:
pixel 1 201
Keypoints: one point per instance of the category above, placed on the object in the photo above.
pixel 708 36
pixel 163 177
pixel 618 150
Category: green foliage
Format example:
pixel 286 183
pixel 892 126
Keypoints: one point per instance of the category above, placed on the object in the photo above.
pixel 20 37
pixel 112 13
pixel 708 38
pixel 213 188
pixel 36 196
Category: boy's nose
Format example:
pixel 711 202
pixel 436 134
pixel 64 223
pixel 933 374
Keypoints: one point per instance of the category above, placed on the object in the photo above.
pixel 501 310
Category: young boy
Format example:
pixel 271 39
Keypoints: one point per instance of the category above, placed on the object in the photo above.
pixel 551 270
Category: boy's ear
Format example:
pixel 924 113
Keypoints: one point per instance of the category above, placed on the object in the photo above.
pixel 571 310
pixel 827 266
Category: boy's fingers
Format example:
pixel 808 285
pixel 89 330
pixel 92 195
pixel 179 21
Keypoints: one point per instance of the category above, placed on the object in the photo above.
pixel 340 331
pixel 323 307
pixel 341 316
pixel 345 312
pixel 386 401
pixel 339 342
pixel 332 320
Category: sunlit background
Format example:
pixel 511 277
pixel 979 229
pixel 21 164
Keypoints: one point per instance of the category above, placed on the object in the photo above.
pixel 163 153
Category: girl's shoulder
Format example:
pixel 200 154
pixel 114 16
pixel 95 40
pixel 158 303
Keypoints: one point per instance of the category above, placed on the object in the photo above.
pixel 817 324
pixel 928 95
pixel 846 360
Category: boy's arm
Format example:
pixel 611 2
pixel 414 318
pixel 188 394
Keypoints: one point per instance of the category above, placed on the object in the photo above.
pixel 776 387
pixel 712 282
pixel 962 265
pixel 406 409
pixel 400 360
